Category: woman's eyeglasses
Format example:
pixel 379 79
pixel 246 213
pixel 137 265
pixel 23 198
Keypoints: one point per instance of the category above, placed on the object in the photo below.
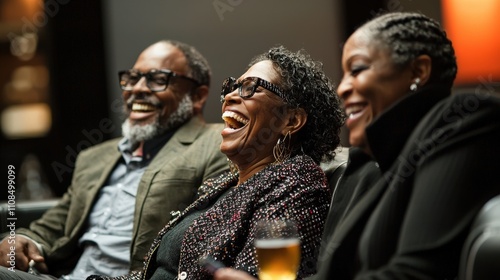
pixel 248 86
pixel 156 80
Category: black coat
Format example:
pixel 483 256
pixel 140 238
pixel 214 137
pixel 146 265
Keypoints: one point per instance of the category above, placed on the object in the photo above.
pixel 439 165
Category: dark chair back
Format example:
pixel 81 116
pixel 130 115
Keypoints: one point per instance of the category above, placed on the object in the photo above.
pixel 22 213
pixel 335 169
pixel 480 259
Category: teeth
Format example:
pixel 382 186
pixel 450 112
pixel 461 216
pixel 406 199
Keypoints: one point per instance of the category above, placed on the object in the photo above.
pixel 234 120
pixel 351 110
pixel 142 107
pixel 233 115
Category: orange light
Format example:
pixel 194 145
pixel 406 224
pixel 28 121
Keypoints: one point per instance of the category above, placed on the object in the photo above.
pixel 473 27
pixel 12 11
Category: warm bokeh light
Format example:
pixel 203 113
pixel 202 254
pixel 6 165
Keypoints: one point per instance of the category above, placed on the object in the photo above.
pixel 12 11
pixel 473 27
pixel 26 121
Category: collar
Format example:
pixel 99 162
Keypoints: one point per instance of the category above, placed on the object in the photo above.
pixel 149 150
pixel 389 132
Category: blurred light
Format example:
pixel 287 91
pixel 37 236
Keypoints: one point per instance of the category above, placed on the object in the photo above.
pixel 26 121
pixel 24 46
pixel 11 11
pixel 28 84
pixel 473 27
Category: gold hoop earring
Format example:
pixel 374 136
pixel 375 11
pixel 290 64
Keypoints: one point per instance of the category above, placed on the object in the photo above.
pixel 414 85
pixel 281 150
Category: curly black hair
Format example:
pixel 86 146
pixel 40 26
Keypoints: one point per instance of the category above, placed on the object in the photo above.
pixel 408 35
pixel 308 87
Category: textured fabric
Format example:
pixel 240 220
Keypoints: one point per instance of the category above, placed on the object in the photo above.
pixel 169 184
pixel 168 253
pixel 295 189
pixel 412 223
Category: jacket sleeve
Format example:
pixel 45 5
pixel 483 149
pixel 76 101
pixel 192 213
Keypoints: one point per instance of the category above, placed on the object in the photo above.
pixel 51 226
pixel 57 226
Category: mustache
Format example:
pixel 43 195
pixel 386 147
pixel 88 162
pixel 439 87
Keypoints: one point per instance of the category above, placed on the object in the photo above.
pixel 143 100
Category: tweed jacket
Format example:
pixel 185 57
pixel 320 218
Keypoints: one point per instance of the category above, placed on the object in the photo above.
pixel 295 189
pixel 169 183
pixel 438 158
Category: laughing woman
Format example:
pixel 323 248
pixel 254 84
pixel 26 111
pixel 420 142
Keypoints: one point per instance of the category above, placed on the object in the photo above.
pixel 282 118
pixel 438 153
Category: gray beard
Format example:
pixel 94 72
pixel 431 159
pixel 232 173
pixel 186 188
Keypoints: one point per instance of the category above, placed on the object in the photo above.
pixel 138 133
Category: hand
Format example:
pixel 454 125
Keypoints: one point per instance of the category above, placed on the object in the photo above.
pixel 18 251
pixel 232 274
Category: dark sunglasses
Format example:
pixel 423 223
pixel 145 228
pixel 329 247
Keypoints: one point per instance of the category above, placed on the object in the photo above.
pixel 156 80
pixel 247 87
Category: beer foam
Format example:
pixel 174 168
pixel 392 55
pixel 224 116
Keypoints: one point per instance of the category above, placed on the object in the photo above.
pixel 276 243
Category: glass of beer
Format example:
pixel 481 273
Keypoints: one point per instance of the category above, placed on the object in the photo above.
pixel 278 249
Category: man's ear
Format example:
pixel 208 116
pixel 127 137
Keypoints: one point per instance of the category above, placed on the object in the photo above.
pixel 296 120
pixel 421 68
pixel 199 96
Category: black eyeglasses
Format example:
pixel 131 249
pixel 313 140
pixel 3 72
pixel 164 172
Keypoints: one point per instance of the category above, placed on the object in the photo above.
pixel 156 80
pixel 246 87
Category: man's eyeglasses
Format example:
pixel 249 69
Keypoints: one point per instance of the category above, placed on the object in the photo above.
pixel 246 87
pixel 156 80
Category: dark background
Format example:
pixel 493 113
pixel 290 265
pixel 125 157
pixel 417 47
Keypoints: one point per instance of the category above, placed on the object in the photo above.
pixel 85 42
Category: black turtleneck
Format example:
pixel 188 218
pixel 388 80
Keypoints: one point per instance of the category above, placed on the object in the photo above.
pixel 389 132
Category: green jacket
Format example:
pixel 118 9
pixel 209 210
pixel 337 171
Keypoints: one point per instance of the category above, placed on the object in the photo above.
pixel 169 184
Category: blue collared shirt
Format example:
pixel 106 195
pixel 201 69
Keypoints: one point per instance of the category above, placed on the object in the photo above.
pixel 106 242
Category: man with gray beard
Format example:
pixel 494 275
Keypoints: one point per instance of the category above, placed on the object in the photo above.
pixel 125 190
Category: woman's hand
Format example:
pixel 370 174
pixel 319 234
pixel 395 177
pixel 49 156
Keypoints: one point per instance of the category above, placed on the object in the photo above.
pixel 232 274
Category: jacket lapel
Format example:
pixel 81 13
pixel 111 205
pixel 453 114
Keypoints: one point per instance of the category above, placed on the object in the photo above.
pixel 108 162
pixel 185 135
